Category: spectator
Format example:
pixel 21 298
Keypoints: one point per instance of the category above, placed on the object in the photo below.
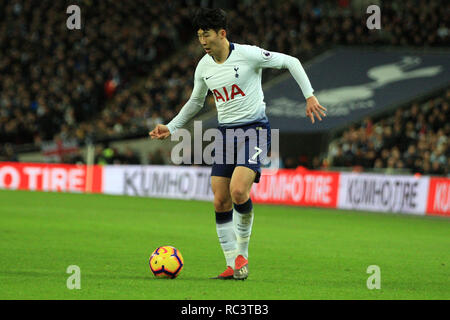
pixel 53 81
pixel 339 159
pixel 130 157
pixel 69 70
pixel 9 154
pixel 157 157
pixel 416 148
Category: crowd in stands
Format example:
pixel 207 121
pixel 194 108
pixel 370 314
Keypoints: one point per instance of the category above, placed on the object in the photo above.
pixel 106 154
pixel 55 80
pixel 131 65
pixel 299 29
pixel 415 139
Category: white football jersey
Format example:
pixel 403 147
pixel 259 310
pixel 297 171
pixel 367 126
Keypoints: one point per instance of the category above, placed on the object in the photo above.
pixel 236 85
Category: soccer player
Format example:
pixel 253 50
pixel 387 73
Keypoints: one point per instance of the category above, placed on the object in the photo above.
pixel 233 74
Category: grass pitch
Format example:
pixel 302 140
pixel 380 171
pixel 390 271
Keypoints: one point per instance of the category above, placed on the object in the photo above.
pixel 295 253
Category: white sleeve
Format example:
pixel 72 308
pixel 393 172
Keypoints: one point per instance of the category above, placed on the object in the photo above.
pixel 193 105
pixel 267 59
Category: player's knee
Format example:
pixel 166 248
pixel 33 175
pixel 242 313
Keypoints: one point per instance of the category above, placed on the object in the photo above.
pixel 239 195
pixel 222 204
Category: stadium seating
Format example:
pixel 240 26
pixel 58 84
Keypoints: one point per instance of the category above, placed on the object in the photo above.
pixel 123 72
pixel 414 139
pixel 57 81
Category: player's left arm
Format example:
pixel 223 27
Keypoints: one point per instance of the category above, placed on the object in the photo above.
pixel 313 107
pixel 277 60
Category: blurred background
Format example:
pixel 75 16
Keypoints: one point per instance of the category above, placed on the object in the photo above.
pixel 131 66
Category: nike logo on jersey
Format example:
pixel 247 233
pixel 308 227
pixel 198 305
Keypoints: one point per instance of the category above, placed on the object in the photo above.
pixel 206 78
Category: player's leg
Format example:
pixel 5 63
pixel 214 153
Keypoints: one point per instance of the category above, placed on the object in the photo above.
pixel 224 222
pixel 240 186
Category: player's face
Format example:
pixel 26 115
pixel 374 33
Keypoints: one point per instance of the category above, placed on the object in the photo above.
pixel 209 39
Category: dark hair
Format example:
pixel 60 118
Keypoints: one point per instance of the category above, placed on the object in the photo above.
pixel 205 18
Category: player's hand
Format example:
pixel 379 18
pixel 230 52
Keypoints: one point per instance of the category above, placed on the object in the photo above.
pixel 314 108
pixel 160 132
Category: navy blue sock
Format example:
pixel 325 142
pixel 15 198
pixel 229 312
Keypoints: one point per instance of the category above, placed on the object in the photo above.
pixel 224 217
pixel 246 207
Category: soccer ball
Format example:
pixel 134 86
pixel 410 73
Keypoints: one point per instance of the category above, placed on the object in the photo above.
pixel 166 262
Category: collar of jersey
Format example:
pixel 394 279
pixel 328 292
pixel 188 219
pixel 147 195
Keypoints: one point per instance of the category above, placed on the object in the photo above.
pixel 231 49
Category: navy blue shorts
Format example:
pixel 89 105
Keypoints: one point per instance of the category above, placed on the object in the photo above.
pixel 243 145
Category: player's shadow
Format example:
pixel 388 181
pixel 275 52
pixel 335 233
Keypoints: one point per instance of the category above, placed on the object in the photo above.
pixel 37 274
pixel 149 277
pixel 30 273
pixel 116 276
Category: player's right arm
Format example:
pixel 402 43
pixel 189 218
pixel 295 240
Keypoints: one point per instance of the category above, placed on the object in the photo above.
pixel 187 112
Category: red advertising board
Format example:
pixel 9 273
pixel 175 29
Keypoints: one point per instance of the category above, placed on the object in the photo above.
pixel 439 197
pixel 298 187
pixel 50 177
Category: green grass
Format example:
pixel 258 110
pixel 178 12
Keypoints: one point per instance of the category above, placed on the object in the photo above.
pixel 295 253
